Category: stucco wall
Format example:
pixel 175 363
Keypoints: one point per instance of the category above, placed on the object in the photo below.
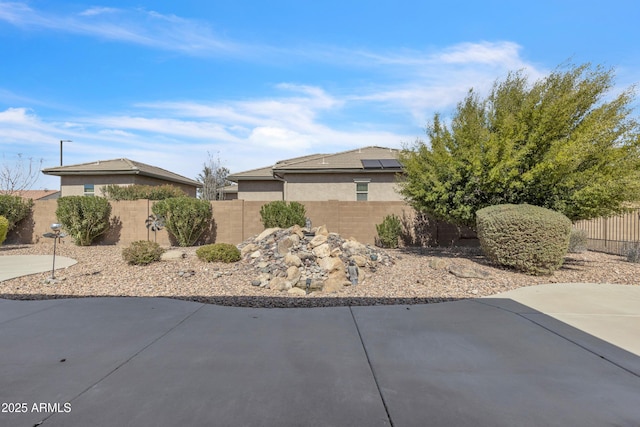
pixel 237 220
pixel 260 190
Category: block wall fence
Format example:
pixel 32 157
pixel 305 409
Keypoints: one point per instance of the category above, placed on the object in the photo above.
pixel 234 221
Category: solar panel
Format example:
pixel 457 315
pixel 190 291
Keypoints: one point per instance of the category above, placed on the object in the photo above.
pixel 390 164
pixel 371 164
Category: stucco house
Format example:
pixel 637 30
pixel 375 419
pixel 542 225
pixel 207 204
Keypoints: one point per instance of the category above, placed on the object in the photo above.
pixel 363 174
pixel 89 178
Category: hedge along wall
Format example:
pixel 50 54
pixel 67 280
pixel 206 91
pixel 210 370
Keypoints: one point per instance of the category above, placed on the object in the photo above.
pixel 237 220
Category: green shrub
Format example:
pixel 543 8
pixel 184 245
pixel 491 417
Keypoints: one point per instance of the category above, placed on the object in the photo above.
pixel 282 214
pixel 578 241
pixel 632 252
pixel 142 252
pixel 186 218
pixel 222 252
pixel 14 209
pixel 389 231
pixel 4 228
pixel 137 192
pixel 83 218
pixel 529 238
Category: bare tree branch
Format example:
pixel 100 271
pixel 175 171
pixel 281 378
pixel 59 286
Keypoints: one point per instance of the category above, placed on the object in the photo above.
pixel 19 175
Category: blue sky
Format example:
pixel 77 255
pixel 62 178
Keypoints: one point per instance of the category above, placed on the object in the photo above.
pixel 173 83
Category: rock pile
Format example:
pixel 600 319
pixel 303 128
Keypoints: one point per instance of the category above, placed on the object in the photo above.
pixel 302 261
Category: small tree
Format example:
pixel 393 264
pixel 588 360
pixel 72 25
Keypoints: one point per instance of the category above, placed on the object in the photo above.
pixel 389 231
pixel 562 143
pixel 84 218
pixel 186 218
pixel 213 179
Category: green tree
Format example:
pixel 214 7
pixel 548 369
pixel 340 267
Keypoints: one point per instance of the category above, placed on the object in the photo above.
pixel 563 143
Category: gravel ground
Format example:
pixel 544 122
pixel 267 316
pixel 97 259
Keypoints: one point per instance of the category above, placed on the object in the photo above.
pixel 416 276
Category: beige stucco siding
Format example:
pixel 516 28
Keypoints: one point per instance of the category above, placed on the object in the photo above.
pixel 260 190
pixel 74 185
pixel 321 187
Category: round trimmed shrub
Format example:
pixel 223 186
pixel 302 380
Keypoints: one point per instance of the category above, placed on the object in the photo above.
pixel 222 252
pixel 4 227
pixel 528 238
pixel 142 252
pixel 578 241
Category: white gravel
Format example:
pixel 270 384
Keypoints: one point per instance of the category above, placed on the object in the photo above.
pixel 417 276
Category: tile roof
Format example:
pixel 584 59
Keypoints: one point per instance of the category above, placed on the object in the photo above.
pixel 343 161
pixel 120 167
pixel 32 194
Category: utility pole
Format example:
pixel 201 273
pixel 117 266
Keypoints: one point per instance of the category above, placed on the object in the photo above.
pixel 61 141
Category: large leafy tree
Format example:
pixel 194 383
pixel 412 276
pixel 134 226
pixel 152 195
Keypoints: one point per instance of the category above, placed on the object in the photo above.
pixel 564 143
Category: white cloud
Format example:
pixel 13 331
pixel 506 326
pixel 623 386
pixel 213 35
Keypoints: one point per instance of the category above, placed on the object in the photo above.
pixel 136 26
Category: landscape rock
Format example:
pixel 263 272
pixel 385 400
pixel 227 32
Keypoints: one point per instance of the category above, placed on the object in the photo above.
pixel 336 281
pixel 359 260
pixel 318 240
pixel 353 247
pixel 266 233
pixel 322 231
pixel 438 263
pixel 173 255
pixel 285 245
pixel 291 259
pixel 296 292
pixel 468 272
pixel 251 247
pixel 279 284
pixel 293 275
pixel 331 264
pixel 322 251
pixel 288 258
pixel 256 254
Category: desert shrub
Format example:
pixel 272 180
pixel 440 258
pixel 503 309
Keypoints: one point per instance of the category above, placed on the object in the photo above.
pixel 186 218
pixel 632 252
pixel 389 231
pixel 14 209
pixel 137 192
pixel 578 241
pixel 528 238
pixel 222 252
pixel 4 227
pixel 142 252
pixel 282 214
pixel 83 218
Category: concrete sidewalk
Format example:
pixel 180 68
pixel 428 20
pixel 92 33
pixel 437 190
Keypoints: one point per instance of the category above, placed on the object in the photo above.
pixel 12 266
pixel 500 361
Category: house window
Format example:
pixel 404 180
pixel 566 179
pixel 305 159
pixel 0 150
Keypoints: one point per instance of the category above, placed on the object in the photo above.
pixel 362 191
pixel 89 190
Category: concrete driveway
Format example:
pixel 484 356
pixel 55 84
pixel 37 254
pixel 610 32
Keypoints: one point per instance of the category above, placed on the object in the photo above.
pixel 162 362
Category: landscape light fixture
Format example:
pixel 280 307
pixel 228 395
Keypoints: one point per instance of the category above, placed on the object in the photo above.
pixel 55 235
pixel 61 141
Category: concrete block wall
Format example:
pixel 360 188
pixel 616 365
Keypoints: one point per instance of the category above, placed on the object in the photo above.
pixel 237 220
